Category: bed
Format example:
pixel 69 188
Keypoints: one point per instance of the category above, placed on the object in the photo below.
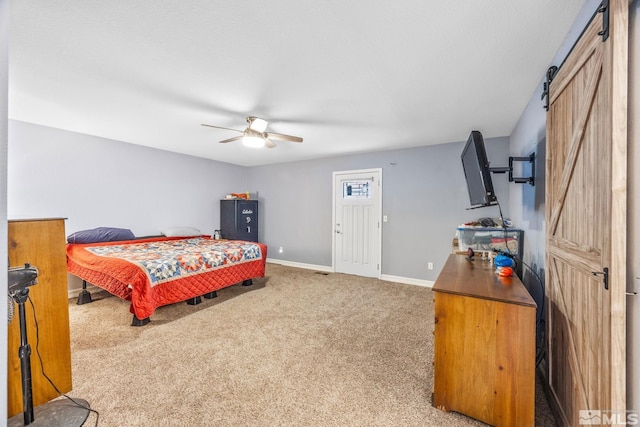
pixel 157 271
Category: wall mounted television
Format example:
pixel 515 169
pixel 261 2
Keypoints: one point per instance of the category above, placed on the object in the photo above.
pixel 477 172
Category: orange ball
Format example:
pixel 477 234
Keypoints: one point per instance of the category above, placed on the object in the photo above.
pixel 505 271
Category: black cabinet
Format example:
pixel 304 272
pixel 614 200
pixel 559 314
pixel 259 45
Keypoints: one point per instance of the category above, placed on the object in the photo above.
pixel 239 219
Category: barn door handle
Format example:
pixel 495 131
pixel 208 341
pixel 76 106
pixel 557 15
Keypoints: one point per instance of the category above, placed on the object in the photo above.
pixel 605 276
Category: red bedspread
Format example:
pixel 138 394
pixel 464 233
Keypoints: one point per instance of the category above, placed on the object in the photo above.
pixel 163 270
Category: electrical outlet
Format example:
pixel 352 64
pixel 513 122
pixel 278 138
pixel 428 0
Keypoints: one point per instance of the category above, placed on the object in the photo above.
pixel 430 266
pixel 384 218
pixel 280 250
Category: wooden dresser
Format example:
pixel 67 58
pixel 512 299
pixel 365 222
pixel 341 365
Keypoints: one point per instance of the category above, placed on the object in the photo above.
pixel 484 355
pixel 41 243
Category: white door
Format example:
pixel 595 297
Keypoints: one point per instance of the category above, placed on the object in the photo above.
pixel 357 211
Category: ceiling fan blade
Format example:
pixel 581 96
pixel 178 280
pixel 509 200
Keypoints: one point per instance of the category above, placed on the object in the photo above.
pixel 283 137
pixel 220 127
pixel 235 138
pixel 269 143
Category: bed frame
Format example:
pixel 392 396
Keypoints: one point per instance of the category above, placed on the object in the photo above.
pixel 123 277
pixel 84 297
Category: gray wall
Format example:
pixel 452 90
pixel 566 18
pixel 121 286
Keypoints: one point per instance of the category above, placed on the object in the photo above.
pixel 4 78
pixel 527 205
pixel 424 197
pixel 99 182
pixel 95 182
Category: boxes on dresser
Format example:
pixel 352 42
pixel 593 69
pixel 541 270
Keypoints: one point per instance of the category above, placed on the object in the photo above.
pixel 491 239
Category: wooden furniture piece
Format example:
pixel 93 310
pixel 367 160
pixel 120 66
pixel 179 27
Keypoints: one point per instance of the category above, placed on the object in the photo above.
pixel 41 243
pixel 484 357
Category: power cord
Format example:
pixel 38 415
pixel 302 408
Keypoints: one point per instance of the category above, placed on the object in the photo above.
pixel 35 320
pixel 539 322
pixel 505 229
pixel 10 308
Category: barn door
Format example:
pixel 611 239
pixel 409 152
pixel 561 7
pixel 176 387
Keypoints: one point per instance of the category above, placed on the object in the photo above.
pixel 586 225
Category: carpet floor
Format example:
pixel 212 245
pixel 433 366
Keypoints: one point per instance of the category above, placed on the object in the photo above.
pixel 298 348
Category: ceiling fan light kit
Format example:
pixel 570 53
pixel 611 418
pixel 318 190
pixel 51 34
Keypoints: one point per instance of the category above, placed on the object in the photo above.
pixel 259 125
pixel 255 134
pixel 253 141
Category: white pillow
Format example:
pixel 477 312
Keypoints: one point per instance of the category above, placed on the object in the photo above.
pixel 181 231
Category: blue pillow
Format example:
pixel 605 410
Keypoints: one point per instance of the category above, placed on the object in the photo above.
pixel 100 234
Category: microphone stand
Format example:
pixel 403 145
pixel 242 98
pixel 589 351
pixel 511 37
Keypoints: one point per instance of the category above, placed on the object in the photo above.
pixel 24 353
pixel 55 413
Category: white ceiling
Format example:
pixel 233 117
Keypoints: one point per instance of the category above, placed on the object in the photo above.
pixel 348 76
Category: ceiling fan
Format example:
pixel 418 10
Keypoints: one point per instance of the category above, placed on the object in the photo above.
pixel 255 134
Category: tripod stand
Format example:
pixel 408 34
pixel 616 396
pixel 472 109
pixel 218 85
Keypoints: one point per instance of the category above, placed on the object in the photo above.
pixel 54 413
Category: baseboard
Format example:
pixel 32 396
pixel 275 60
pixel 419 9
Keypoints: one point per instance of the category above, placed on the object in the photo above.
pixel 324 268
pixel 327 269
pixel 73 293
pixel 407 280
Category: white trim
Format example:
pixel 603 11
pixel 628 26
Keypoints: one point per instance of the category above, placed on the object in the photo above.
pixel 324 268
pixel 327 269
pixel 407 280
pixel 73 293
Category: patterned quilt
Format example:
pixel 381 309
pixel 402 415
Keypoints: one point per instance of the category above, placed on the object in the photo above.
pixel 167 260
pixel 157 271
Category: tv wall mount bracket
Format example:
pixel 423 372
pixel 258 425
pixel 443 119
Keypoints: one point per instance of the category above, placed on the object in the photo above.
pixel 519 180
